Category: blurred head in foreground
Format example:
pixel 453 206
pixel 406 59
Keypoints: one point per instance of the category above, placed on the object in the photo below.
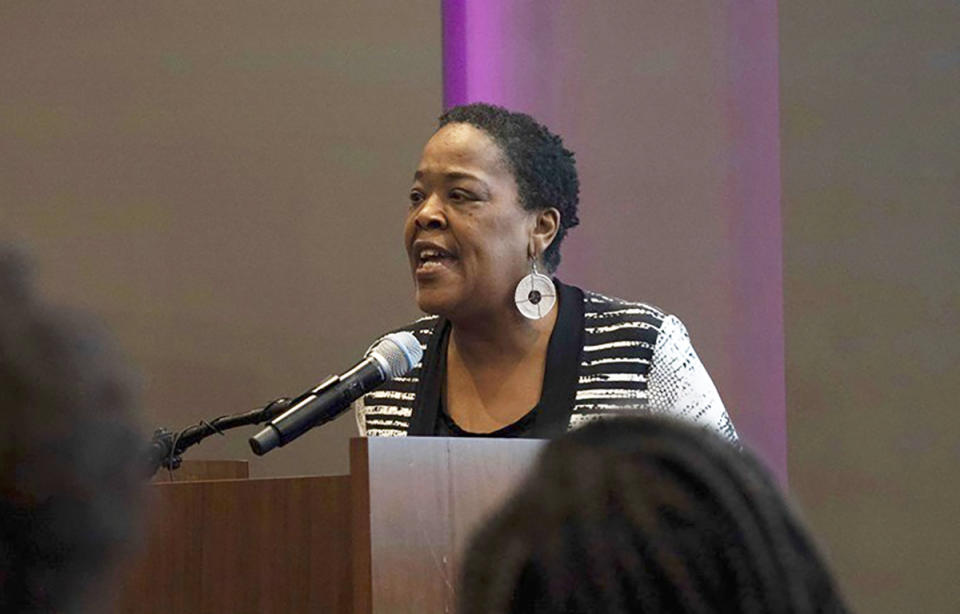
pixel 645 515
pixel 70 478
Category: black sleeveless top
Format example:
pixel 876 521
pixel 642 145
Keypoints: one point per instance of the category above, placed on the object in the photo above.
pixel 559 389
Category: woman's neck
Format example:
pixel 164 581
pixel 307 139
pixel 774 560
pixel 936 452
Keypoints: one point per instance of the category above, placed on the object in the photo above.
pixel 499 337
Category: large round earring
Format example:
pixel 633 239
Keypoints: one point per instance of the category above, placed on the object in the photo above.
pixel 535 295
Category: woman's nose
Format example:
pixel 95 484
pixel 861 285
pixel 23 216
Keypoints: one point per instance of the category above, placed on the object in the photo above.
pixel 431 215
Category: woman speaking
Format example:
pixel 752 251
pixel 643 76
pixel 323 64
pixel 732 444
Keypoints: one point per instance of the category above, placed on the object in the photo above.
pixel 509 350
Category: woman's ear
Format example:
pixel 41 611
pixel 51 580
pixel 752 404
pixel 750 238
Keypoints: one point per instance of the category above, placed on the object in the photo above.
pixel 545 230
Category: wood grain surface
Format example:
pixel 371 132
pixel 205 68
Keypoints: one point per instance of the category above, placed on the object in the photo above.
pixel 245 546
pixel 426 496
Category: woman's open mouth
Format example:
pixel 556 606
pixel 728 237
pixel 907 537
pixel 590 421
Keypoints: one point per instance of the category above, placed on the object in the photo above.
pixel 433 260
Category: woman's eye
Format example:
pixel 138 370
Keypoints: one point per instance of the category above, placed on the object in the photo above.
pixel 460 196
pixel 416 197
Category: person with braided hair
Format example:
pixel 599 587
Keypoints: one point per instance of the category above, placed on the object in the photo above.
pixel 645 515
pixel 71 472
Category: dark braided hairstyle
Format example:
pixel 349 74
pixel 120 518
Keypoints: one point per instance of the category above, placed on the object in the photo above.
pixel 645 515
pixel 70 470
pixel 545 171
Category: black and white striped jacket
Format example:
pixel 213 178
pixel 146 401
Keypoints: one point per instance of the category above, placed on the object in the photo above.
pixel 632 357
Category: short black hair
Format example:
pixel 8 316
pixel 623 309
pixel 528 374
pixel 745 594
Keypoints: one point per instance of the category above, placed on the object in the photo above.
pixel 545 171
pixel 70 470
pixel 645 515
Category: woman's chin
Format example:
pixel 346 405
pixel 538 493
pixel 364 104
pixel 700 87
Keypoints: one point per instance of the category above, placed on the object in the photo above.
pixel 438 299
pixel 434 301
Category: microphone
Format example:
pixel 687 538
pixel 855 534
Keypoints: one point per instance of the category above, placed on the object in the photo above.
pixel 392 356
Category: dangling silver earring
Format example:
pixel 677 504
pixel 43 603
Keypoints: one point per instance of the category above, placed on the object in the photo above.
pixel 535 295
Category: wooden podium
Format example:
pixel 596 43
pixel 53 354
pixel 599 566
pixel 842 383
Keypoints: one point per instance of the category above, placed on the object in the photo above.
pixel 386 539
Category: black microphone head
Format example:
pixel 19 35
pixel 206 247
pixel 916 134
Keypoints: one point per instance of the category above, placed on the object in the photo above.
pixel 396 353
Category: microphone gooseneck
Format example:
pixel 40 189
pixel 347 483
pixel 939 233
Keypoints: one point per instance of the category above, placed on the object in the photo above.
pixel 390 357
pixel 165 448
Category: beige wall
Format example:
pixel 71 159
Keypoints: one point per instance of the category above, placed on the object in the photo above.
pixel 224 183
pixel 871 199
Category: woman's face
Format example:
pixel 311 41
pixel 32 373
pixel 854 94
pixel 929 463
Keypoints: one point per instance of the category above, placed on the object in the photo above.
pixel 466 234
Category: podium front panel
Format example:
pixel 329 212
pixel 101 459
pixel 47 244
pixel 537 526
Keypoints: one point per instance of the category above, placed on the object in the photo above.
pixel 416 502
pixel 245 547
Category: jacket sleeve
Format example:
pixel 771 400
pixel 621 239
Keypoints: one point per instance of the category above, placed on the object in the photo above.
pixel 679 385
pixel 359 411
